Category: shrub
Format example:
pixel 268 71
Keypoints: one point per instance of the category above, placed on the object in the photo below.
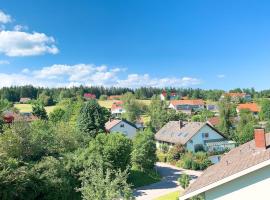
pixel 103 97
pixel 162 157
pixel 164 148
pixel 176 152
pixel 184 180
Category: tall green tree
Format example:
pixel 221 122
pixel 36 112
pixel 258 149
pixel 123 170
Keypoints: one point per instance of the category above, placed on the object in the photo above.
pixel 92 118
pixel 132 107
pixel 144 151
pixel 265 110
pixel 245 127
pixel 39 111
pixel 226 113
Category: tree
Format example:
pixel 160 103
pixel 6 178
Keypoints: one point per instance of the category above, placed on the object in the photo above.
pixel 144 151
pixel 46 99
pixel 265 110
pixel 57 115
pixel 184 180
pixel 225 111
pixel 92 118
pixel 132 107
pixel 39 111
pixel 160 115
pixel 245 127
pixel 106 184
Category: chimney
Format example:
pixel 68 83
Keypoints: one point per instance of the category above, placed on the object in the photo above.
pixel 181 124
pixel 259 136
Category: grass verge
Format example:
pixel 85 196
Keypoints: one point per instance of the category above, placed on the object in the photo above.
pixel 138 178
pixel 171 196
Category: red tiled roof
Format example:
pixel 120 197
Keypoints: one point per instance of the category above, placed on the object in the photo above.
pixel 236 94
pixel 112 123
pixel 117 105
pixel 187 102
pixel 113 97
pixel 214 121
pixel 89 96
pixel 253 107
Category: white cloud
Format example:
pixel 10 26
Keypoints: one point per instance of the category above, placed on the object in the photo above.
pixel 136 80
pixel 17 43
pixel 25 71
pixel 4 18
pixel 4 62
pixel 89 75
pixel 221 76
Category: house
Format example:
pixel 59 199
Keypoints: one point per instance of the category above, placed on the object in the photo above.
pixel 242 173
pixel 237 96
pixel 117 108
pixel 187 106
pixel 25 100
pixel 89 96
pixel 121 126
pixel 213 121
pixel 115 97
pixel 212 107
pixel 170 96
pixel 10 117
pixel 252 107
pixel 193 135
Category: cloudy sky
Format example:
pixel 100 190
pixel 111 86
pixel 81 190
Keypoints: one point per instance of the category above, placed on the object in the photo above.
pixel 205 44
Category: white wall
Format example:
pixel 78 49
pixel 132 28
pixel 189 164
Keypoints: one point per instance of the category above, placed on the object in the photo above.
pixel 198 138
pixel 252 186
pixel 127 129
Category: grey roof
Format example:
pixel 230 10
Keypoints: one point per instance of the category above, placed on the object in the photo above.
pixel 173 133
pixel 236 160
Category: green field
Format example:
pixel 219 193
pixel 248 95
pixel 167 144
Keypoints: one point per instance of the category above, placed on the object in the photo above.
pixel 28 108
pixel 170 196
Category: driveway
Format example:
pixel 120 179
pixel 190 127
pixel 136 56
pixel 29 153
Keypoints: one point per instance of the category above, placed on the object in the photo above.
pixel 168 183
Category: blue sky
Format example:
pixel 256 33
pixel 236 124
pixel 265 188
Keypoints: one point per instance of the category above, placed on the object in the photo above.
pixel 206 44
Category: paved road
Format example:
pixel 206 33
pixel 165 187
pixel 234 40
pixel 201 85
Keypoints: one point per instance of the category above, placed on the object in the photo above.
pixel 167 185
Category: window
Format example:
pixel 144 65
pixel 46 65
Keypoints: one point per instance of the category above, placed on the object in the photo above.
pixel 205 135
pixel 122 125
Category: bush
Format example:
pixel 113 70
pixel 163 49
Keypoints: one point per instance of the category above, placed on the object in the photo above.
pixel 164 148
pixel 103 97
pixel 162 157
pixel 176 152
pixel 184 180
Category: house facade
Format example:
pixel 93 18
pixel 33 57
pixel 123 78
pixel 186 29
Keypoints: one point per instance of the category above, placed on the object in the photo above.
pixel 122 126
pixel 193 135
pixel 117 109
pixel 187 106
pixel 242 173
pixel 237 96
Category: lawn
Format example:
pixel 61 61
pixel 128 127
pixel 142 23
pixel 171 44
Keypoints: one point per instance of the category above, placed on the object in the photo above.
pixel 139 179
pixel 106 103
pixel 28 108
pixel 171 196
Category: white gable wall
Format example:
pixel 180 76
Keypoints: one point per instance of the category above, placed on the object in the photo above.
pixel 124 128
pixel 199 139
pixel 254 185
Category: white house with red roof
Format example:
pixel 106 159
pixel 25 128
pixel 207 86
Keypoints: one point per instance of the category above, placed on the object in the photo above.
pixel 121 126
pixel 187 106
pixel 117 108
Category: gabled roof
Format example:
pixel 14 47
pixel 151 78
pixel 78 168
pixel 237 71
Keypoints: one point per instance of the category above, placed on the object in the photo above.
pixel 89 95
pixel 235 163
pixel 253 107
pixel 214 121
pixel 187 102
pixel 117 105
pixel 236 94
pixel 180 132
pixel 112 123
